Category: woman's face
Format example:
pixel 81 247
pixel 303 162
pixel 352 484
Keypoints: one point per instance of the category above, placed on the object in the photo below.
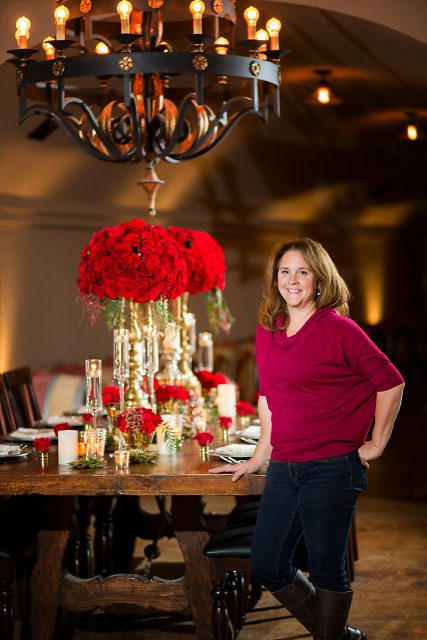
pixel 296 282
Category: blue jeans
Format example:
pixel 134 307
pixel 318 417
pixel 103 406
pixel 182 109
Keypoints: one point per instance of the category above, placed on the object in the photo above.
pixel 315 499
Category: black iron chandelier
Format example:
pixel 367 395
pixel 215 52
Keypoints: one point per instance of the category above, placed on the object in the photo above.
pixel 148 80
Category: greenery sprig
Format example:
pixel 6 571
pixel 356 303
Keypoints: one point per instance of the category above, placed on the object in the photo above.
pixel 87 463
pixel 141 457
pixel 218 312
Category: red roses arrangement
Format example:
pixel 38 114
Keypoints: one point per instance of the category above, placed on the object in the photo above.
pixel 131 260
pixel 210 380
pixel 139 420
pixel 205 272
pixel 111 394
pixel 167 392
pixel 204 258
pixel 244 408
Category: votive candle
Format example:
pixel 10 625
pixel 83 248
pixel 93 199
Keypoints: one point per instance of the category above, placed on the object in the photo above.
pixel 121 458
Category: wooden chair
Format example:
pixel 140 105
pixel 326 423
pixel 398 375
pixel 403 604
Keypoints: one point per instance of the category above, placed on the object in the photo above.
pixel 22 398
pixel 17 537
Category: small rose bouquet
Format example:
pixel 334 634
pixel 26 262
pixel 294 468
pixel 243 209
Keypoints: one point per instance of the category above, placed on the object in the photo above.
pixel 62 426
pixel 42 445
pixel 167 392
pixel 138 420
pixel 225 422
pixel 203 438
pixel 244 409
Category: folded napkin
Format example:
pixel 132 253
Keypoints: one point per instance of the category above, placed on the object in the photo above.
pixel 30 434
pixel 9 449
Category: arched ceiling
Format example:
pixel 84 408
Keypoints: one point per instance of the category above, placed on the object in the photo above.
pixel 312 164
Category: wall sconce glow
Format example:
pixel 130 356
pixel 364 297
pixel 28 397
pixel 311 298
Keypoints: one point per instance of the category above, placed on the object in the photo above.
pixel 411 132
pixel 251 15
pixel 124 9
pixel 61 15
pixel 197 9
pixel 273 27
pixel 323 95
pixel 22 33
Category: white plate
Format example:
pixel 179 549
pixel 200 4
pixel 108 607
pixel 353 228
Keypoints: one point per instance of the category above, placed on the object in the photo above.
pixel 253 431
pixel 73 421
pixel 10 451
pixel 236 450
pixel 28 435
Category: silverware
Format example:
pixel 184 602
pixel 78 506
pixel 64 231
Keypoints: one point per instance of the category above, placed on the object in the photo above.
pixel 229 459
pixel 248 440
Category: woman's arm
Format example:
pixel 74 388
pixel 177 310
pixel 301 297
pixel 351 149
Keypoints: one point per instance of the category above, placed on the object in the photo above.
pixel 386 410
pixel 262 450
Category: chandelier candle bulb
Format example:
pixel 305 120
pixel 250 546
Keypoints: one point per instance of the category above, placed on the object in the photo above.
pixel 67 446
pixel 221 46
pixel 251 16
pixel 227 400
pixel 124 9
pixel 273 27
pixel 101 49
pixel 197 8
pixel 48 49
pixel 22 34
pixel 205 351
pixel 262 36
pixel 61 15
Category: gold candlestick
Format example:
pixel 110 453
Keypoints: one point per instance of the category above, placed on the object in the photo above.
pixel 134 396
pixel 189 379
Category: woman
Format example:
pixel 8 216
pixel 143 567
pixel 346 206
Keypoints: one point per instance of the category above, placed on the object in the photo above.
pixel 322 385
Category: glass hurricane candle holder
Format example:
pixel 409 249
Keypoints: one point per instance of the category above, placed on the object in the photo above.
pixel 93 387
pixel 205 352
pixel 121 361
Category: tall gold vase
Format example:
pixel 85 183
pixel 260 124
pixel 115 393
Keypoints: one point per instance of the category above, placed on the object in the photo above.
pixel 134 395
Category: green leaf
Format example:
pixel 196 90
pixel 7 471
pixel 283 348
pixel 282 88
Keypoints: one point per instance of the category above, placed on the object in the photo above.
pixel 141 457
pixel 88 463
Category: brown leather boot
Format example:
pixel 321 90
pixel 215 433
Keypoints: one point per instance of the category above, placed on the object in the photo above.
pixel 298 598
pixel 331 610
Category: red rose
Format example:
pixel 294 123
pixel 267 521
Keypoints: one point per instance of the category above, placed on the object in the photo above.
pixel 206 379
pixel 163 393
pixel 225 422
pixel 42 444
pixel 87 418
pixel 244 408
pixel 111 394
pixel 179 393
pixel 203 438
pixel 62 426
pixel 219 378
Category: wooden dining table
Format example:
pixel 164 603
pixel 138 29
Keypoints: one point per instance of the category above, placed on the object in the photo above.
pixel 184 477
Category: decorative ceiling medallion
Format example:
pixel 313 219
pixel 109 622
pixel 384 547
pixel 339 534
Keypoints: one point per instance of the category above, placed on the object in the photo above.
pixel 218 6
pixel 58 68
pixel 126 63
pixel 19 77
pixel 85 6
pixel 255 67
pixel 200 62
pixel 155 4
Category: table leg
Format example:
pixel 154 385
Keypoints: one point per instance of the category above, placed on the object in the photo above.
pixel 48 571
pixel 189 527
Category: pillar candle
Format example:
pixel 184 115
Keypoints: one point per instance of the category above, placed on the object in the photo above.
pixel 67 446
pixel 227 400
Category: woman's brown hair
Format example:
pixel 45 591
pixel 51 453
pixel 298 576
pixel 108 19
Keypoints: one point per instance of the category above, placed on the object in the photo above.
pixel 332 290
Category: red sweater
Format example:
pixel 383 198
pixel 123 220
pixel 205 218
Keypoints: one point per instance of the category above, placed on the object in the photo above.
pixel 321 386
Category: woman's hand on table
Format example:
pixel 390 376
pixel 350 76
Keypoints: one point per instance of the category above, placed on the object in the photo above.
pixel 238 469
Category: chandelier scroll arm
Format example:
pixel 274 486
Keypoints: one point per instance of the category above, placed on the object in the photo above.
pixel 179 124
pixel 198 148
